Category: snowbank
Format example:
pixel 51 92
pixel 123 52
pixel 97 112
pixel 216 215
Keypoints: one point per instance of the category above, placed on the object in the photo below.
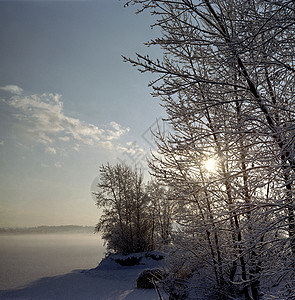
pixel 110 280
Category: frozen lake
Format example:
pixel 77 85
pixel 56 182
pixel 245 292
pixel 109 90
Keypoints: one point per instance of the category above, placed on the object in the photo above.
pixel 28 257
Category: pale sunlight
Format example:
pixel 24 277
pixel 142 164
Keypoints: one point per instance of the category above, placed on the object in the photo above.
pixel 210 164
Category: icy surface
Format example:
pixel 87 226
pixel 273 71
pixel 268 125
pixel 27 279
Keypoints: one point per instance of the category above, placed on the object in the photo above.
pixel 25 258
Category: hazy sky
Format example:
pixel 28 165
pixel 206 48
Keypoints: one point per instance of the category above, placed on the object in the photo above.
pixel 68 104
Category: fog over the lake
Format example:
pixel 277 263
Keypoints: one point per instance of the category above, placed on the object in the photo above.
pixel 27 257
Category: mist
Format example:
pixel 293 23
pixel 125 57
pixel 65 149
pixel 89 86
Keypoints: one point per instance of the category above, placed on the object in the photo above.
pixel 25 258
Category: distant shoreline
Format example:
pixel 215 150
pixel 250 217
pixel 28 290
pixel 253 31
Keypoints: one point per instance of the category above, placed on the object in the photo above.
pixel 49 229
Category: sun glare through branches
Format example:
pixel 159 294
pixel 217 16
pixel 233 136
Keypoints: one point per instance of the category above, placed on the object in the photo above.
pixel 210 164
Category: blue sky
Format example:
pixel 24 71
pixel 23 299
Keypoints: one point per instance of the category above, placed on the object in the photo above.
pixel 68 104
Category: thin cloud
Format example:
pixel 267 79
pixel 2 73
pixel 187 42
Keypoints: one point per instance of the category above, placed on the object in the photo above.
pixel 50 150
pixel 64 138
pixel 58 164
pixel 116 131
pixel 45 121
pixel 13 89
pixel 76 148
pixel 44 139
pixel 41 119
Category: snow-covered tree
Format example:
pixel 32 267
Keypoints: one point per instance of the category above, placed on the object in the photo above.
pixel 226 81
pixel 136 216
pixel 124 223
pixel 161 209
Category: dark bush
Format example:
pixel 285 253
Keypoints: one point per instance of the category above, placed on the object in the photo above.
pixel 154 256
pixel 129 261
pixel 145 278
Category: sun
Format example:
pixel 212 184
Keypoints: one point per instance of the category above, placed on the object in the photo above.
pixel 210 164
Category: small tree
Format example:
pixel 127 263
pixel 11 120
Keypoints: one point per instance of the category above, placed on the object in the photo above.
pixel 125 223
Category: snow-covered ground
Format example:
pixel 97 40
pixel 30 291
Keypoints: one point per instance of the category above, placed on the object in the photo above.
pixel 108 281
